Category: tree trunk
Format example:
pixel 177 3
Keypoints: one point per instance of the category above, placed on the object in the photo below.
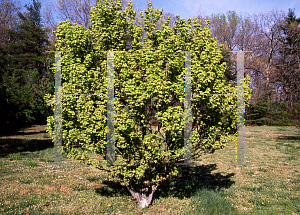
pixel 144 195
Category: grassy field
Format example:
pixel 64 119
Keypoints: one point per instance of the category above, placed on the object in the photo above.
pixel 30 185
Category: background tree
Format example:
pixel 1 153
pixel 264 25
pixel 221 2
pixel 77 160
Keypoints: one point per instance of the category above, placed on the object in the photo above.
pixel 73 10
pixel 149 71
pixel 225 28
pixel 265 52
pixel 235 33
pixel 261 34
pixel 289 63
pixel 24 63
pixel 272 69
pixel 8 20
pixel 50 24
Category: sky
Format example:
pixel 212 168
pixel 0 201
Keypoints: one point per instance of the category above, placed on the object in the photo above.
pixel 189 8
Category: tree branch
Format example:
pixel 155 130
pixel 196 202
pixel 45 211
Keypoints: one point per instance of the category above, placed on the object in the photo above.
pixel 160 137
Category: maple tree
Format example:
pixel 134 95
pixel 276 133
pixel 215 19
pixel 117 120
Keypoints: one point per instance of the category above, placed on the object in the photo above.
pixel 144 73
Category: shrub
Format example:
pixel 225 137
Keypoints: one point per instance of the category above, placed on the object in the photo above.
pixel 149 73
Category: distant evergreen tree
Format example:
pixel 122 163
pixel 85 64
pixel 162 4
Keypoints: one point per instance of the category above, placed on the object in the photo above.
pixel 23 69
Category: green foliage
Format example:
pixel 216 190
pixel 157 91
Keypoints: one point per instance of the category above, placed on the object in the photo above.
pixel 152 72
pixel 22 65
pixel 265 112
pixel 230 77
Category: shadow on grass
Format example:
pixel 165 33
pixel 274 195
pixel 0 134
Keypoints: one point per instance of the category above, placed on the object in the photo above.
pixel 18 145
pixel 185 185
pixel 24 133
pixel 289 138
pixel 9 129
pixel 192 179
pixel 9 146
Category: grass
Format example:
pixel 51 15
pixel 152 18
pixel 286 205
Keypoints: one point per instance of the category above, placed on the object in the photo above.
pixel 31 185
pixel 206 201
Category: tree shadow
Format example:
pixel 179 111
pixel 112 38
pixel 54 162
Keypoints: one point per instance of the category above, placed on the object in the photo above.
pixel 10 129
pixel 189 180
pixel 112 188
pixel 192 179
pixel 288 138
pixel 9 146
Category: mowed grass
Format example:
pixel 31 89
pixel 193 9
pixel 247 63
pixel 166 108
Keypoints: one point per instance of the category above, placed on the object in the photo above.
pixel 31 185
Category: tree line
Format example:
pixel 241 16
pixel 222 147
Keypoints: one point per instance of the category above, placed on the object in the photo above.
pixel 273 64
pixel 23 65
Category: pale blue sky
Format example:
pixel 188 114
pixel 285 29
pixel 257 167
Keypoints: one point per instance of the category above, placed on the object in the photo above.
pixel 189 8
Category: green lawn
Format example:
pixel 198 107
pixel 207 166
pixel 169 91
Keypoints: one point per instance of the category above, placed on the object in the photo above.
pixel 271 186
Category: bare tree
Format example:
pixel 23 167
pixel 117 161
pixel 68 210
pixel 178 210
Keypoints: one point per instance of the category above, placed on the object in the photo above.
pixel 266 46
pixel 75 10
pixel 225 28
pixel 50 23
pixel 164 18
pixel 288 64
pixel 201 15
pixel 8 18
pixel 72 10
pixel 257 33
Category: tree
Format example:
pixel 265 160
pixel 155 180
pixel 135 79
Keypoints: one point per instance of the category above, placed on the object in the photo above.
pixel 73 10
pixel 24 67
pixel 234 32
pixel 265 46
pixel 152 71
pixel 8 18
pixel 289 62
pixel 67 11
pixel 273 71
pixel 50 24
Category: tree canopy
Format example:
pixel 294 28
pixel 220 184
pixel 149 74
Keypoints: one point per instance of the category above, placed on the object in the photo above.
pixel 23 66
pixel 149 73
